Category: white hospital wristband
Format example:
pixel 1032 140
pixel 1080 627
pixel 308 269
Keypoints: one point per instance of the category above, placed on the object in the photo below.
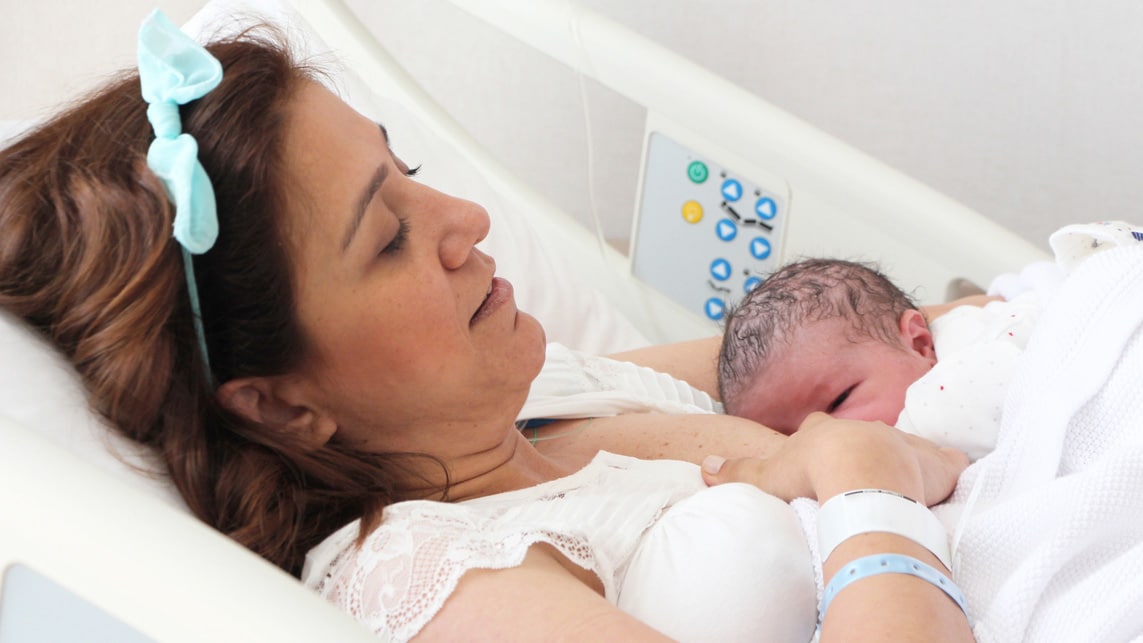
pixel 864 511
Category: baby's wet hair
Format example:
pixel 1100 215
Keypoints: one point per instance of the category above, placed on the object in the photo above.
pixel 806 291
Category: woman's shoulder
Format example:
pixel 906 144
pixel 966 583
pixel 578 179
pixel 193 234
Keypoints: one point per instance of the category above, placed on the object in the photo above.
pixel 395 578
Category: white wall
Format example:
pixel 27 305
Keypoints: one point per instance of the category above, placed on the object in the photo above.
pixel 54 49
pixel 1023 109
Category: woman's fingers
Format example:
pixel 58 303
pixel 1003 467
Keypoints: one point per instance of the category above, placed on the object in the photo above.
pixel 814 419
pixel 779 476
pixel 828 456
pixel 942 476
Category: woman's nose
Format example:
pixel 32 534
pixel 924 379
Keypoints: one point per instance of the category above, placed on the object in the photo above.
pixel 466 225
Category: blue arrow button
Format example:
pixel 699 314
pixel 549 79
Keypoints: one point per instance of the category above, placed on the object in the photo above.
pixel 720 269
pixel 731 190
pixel 751 283
pixel 760 248
pixel 715 308
pixel 726 230
pixel 765 208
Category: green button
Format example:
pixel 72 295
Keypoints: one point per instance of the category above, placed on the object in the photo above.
pixel 697 171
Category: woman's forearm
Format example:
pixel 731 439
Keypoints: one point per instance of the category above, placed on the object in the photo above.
pixel 890 607
pixel 655 436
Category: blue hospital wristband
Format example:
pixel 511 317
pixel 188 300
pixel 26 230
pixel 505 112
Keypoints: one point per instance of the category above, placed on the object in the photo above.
pixel 888 564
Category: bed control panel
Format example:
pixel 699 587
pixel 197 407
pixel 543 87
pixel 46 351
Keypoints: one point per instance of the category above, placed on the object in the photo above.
pixel 704 234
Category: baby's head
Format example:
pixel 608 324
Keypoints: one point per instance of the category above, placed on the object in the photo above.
pixel 822 335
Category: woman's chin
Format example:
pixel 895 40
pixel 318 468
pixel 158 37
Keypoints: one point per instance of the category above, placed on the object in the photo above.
pixel 527 323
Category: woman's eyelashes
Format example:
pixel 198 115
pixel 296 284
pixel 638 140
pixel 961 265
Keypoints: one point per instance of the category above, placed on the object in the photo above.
pixel 398 241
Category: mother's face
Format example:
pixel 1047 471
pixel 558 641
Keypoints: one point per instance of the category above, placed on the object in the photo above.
pixel 408 332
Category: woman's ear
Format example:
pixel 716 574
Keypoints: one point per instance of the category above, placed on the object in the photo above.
pixel 278 404
pixel 916 334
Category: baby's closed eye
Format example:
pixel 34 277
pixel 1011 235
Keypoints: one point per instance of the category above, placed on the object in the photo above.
pixel 840 399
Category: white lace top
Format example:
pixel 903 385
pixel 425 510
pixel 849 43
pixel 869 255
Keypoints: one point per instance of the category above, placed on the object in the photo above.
pixel 407 567
pixel 617 517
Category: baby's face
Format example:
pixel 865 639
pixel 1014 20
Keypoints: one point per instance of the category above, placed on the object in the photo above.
pixel 821 370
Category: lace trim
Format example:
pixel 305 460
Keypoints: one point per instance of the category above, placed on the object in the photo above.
pixel 401 576
pixel 403 573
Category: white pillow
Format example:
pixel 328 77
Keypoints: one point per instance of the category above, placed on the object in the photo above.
pixel 39 389
pixel 11 129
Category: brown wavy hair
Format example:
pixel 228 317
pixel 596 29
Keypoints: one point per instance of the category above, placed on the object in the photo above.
pixel 87 258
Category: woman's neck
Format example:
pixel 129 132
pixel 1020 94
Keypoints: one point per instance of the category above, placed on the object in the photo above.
pixel 508 466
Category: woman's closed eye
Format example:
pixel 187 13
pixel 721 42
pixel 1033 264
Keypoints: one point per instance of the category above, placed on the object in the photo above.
pixel 840 399
pixel 398 241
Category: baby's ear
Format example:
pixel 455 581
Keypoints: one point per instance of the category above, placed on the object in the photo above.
pixel 916 335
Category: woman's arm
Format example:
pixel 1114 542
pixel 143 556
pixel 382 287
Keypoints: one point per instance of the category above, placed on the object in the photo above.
pixel 891 607
pixel 932 312
pixel 541 599
pixel 654 436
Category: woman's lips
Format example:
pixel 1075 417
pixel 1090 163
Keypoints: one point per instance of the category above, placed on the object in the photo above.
pixel 499 293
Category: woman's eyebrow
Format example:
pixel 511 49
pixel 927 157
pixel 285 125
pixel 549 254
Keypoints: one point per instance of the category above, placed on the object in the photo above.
pixel 363 204
pixel 366 196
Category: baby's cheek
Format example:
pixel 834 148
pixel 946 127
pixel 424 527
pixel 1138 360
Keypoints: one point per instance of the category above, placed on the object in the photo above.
pixel 885 411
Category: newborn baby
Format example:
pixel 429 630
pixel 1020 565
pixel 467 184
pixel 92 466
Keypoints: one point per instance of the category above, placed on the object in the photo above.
pixel 838 337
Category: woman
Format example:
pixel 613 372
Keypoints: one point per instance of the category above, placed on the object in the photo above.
pixel 356 350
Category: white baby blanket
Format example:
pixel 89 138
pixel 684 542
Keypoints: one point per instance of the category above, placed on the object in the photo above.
pixel 1049 527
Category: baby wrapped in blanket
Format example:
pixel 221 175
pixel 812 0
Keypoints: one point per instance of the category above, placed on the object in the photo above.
pixel 838 337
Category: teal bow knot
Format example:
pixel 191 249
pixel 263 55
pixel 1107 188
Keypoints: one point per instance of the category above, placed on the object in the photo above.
pixel 175 161
pixel 175 70
pixel 165 119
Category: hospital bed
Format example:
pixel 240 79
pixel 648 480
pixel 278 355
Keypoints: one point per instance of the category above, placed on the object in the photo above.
pixel 94 548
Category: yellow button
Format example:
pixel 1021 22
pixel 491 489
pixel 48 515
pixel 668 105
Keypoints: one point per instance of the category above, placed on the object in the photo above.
pixel 692 212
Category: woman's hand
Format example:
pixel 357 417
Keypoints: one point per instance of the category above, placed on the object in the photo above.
pixel 827 456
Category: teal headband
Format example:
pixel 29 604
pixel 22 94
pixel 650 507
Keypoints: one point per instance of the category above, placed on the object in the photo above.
pixel 175 70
